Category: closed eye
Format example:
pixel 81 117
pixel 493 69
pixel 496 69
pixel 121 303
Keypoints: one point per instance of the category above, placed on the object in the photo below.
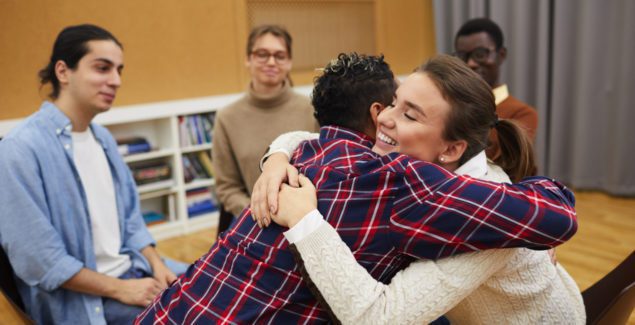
pixel 409 117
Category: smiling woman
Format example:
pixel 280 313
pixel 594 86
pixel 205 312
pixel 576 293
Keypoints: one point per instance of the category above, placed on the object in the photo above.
pixel 244 129
pixel 442 113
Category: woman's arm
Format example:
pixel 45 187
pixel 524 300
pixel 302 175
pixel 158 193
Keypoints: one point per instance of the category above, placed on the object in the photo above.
pixel 287 143
pixel 275 171
pixel 421 293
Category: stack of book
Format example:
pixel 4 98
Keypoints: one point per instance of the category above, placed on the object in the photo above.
pixel 197 165
pixel 129 146
pixel 150 171
pixel 200 201
pixel 196 129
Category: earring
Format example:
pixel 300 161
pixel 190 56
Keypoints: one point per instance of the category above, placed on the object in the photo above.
pixel 441 159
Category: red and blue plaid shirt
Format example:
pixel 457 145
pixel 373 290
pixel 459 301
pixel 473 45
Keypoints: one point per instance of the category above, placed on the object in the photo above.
pixel 388 209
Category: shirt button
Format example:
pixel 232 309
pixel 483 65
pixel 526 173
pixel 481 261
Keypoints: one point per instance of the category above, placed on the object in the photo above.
pixel 67 146
pixel 68 127
pixel 58 131
pixel 97 309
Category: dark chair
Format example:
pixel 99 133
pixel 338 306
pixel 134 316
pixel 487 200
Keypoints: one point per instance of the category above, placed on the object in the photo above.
pixel 224 220
pixel 7 281
pixel 15 307
pixel 611 300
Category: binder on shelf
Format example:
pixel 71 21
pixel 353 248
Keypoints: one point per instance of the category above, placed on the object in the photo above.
pixel 128 146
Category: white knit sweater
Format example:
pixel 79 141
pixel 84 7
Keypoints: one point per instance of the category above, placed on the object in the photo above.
pixel 501 286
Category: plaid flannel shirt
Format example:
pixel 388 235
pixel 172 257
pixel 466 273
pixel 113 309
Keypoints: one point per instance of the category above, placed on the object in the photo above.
pixel 388 209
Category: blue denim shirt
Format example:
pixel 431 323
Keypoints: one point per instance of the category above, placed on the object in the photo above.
pixel 44 223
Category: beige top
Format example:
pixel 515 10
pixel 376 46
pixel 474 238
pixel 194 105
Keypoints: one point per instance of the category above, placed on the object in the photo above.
pixel 242 133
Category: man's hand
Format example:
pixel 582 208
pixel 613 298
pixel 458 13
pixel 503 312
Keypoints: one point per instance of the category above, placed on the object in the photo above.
pixel 264 198
pixel 295 203
pixel 163 275
pixel 138 292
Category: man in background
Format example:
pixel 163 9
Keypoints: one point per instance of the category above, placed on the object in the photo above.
pixel 479 42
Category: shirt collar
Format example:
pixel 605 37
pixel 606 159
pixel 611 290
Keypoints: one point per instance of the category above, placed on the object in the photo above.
pixel 56 118
pixel 500 93
pixel 62 124
pixel 336 132
pixel 475 167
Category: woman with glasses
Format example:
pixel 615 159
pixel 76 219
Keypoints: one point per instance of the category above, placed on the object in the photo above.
pixel 270 107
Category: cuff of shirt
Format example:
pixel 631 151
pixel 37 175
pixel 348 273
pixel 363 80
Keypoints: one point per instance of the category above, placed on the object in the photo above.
pixel 269 153
pixel 140 240
pixel 65 268
pixel 309 223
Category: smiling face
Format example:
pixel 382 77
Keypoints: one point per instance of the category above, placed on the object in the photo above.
pixel 269 62
pixel 93 84
pixel 414 124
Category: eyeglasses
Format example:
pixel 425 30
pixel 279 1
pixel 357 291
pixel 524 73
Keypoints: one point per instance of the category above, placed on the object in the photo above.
pixel 262 56
pixel 479 54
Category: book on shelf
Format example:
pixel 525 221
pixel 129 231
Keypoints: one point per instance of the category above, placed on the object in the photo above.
pixel 153 217
pixel 196 129
pixel 184 139
pixel 194 168
pixel 200 201
pixel 206 161
pixel 128 146
pixel 151 171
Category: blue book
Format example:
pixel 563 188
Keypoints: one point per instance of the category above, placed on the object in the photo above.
pixel 132 148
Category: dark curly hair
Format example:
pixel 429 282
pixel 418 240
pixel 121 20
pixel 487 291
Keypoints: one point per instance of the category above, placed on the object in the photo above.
pixel 349 85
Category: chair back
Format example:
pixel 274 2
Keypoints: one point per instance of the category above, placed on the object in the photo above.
pixel 7 281
pixel 611 300
pixel 224 220
pixel 11 305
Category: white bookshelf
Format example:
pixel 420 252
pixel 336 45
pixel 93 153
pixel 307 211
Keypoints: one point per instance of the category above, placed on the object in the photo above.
pixel 159 124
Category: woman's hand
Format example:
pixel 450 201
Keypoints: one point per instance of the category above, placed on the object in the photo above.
pixel 295 202
pixel 264 198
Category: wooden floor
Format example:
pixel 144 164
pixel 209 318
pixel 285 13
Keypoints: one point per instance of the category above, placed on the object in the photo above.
pixel 606 235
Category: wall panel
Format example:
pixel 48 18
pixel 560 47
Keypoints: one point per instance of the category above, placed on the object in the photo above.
pixel 191 48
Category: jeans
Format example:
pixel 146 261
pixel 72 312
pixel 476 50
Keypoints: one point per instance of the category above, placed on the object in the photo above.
pixel 116 312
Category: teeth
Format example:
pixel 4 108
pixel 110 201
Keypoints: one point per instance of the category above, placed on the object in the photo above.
pixel 386 139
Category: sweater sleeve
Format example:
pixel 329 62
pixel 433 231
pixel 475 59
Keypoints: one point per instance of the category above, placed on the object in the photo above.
pixel 287 143
pixel 418 294
pixel 230 186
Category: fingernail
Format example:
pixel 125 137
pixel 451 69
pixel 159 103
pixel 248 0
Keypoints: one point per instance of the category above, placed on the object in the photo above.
pixel 272 209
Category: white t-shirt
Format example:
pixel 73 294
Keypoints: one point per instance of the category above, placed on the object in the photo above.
pixel 94 172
